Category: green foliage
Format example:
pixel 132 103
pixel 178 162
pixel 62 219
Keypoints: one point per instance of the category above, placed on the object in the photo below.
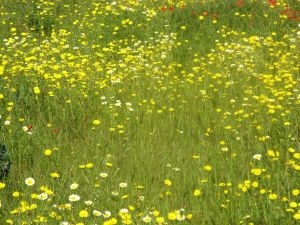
pixel 5 162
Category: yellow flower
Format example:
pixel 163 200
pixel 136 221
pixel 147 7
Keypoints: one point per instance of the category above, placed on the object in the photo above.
pixel 293 204
pixel 36 90
pixel 273 154
pixel 256 171
pixel 297 216
pixel 295 192
pixel 1 96
pixel 83 213
pixel 109 164
pixel 96 122
pixel 254 184
pixel 1 70
pixel 131 208
pixel 55 175
pixel 127 220
pixel 108 7
pixel 48 152
pixel 32 206
pixel 34 196
pixel 160 220
pixel 112 221
pixel 272 196
pixel 9 222
pixel 167 182
pixel 172 216
pixel 262 191
pixel 296 155
pixel 207 168
pixel 89 165
pixel 2 185
pixel 16 194
pixel 197 192
pixel 189 216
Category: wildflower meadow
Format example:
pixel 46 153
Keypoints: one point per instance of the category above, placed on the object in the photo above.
pixel 150 112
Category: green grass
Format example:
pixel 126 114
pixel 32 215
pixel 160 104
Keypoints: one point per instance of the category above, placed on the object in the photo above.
pixel 175 95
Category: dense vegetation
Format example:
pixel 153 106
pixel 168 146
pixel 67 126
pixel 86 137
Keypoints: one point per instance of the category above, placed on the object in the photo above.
pixel 158 112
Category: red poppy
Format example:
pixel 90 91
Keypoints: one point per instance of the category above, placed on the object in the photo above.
pixel 29 127
pixel 56 131
pixel 239 3
pixel 171 9
pixel 205 13
pixel 272 2
pixel 294 18
pixel 290 13
pixel 163 8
